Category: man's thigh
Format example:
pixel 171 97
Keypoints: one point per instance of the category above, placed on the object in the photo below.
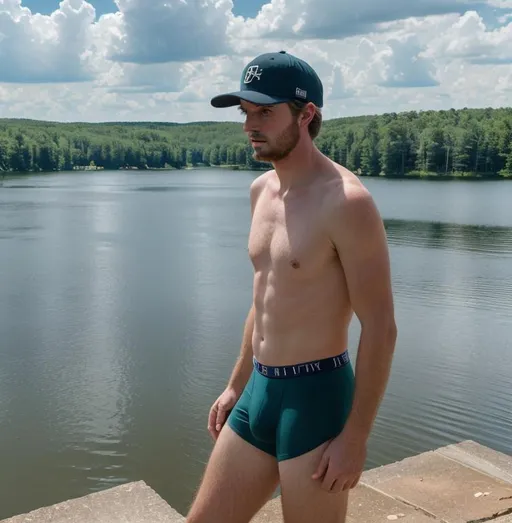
pixel 303 498
pixel 237 482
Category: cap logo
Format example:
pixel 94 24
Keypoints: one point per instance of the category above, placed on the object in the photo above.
pixel 253 72
pixel 301 93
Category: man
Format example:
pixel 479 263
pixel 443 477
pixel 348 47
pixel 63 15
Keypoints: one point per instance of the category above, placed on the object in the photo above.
pixel 297 415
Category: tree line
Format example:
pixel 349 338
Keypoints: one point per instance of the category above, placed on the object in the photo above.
pixel 462 142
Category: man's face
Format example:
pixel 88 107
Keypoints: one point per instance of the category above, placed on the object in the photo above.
pixel 272 130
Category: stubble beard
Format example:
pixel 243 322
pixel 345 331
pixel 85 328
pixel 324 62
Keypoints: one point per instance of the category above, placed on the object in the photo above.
pixel 283 145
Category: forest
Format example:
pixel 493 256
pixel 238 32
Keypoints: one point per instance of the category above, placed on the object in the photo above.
pixel 452 143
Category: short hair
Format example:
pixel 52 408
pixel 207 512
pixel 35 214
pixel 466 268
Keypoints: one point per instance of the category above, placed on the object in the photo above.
pixel 296 108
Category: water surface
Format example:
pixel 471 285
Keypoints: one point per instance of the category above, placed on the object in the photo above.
pixel 122 303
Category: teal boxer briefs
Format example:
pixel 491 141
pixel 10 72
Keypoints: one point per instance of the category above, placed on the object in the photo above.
pixel 287 411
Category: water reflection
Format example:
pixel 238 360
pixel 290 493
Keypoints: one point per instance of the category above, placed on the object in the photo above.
pixel 482 239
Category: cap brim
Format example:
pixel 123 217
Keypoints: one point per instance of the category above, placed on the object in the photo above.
pixel 230 99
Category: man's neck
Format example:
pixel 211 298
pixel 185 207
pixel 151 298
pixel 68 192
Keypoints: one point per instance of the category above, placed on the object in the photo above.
pixel 299 167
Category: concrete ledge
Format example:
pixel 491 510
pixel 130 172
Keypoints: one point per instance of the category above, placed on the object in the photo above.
pixel 131 503
pixel 478 457
pixel 461 483
pixel 366 505
pixel 504 519
pixel 444 488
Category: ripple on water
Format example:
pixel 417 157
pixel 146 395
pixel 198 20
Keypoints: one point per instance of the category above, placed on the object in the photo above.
pixel 486 240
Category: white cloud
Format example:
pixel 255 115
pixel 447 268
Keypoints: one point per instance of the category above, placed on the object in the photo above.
pixel 145 78
pixel 38 48
pixel 505 18
pixel 403 65
pixel 160 31
pixel 472 87
pixel 503 4
pixel 468 38
pixel 170 73
pixel 8 95
pixel 211 76
pixel 339 18
pixel 46 102
pixel 338 88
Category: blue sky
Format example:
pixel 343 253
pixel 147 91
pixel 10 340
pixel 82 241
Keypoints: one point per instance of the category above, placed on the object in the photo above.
pixel 247 8
pixel 164 59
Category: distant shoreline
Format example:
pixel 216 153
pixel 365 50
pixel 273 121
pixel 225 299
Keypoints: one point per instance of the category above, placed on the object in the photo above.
pixel 430 145
pixel 410 176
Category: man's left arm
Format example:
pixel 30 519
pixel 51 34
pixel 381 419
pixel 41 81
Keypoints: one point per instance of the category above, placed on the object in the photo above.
pixel 361 243
pixel 357 232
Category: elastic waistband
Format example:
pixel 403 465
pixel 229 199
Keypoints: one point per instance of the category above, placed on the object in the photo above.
pixel 302 369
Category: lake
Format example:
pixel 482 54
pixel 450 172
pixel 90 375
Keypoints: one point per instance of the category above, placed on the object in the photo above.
pixel 122 302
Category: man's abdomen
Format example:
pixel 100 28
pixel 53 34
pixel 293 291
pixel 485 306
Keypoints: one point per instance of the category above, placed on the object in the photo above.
pixel 300 320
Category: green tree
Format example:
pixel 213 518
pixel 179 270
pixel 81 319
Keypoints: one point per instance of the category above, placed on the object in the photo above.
pixel 476 142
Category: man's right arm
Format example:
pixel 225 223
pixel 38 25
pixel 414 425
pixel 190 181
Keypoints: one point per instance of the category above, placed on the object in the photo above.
pixel 244 363
pixel 239 378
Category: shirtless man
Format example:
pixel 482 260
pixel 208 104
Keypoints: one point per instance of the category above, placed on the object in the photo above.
pixel 294 413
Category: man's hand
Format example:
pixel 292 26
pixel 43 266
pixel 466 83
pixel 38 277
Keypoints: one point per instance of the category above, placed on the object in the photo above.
pixel 219 411
pixel 342 463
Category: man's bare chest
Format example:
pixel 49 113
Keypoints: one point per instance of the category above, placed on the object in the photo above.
pixel 288 236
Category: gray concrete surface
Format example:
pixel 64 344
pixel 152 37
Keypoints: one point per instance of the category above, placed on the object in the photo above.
pixel 443 487
pixel 481 458
pixel 130 503
pixel 462 483
pixel 366 506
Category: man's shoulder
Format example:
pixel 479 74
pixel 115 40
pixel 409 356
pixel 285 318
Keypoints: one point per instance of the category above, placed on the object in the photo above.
pixel 350 208
pixel 258 184
pixel 347 192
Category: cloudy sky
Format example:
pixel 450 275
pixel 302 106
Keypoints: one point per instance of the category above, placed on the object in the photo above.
pixel 162 60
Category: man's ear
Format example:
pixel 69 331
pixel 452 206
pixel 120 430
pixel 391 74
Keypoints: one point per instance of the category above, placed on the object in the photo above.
pixel 307 114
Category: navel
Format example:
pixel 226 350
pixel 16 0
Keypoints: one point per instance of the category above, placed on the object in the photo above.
pixel 295 264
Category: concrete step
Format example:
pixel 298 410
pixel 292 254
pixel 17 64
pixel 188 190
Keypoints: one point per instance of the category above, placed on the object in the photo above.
pixel 504 519
pixel 480 458
pixel 446 488
pixel 130 503
pixel 370 506
pixel 366 505
pixel 434 486
pixel 270 513
pixel 462 483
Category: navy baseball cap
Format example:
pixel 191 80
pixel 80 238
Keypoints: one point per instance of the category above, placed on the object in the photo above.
pixel 273 78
